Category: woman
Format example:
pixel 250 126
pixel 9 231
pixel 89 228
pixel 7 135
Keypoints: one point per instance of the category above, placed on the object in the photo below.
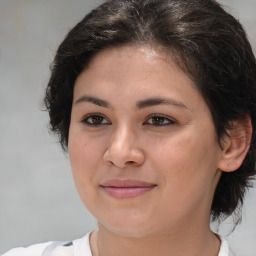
pixel 155 103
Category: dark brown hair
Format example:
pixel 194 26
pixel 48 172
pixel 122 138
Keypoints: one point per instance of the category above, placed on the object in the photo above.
pixel 206 42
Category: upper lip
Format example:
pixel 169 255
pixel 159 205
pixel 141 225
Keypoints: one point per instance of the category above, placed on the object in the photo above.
pixel 127 183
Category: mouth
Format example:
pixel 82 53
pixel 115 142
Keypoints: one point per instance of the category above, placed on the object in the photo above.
pixel 124 189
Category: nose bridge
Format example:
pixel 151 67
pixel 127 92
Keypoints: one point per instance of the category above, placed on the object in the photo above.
pixel 123 137
pixel 124 148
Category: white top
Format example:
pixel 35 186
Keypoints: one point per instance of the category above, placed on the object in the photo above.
pixel 79 247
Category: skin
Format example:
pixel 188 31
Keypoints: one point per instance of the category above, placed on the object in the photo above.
pixel 177 152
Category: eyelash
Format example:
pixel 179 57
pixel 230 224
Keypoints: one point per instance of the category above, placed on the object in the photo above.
pixel 165 121
pixel 91 116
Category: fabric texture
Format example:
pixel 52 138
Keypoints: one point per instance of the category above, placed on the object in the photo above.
pixel 79 247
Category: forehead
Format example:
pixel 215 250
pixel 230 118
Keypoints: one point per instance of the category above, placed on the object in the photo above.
pixel 149 53
pixel 135 71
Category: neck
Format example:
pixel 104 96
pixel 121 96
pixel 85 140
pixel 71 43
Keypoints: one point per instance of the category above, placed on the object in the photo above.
pixel 190 242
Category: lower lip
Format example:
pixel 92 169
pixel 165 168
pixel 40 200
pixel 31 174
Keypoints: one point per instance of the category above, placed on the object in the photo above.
pixel 127 192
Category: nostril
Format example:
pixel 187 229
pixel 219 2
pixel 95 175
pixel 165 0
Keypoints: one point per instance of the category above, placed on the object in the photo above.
pixel 130 162
pixel 129 157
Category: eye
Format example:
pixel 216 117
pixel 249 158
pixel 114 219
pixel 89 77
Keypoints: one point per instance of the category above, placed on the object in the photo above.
pixel 95 120
pixel 158 120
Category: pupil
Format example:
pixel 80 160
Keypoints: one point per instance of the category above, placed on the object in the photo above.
pixel 157 120
pixel 97 119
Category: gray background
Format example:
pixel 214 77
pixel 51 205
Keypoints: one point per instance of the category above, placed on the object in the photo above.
pixel 38 201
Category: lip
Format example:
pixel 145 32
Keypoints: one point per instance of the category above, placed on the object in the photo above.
pixel 128 188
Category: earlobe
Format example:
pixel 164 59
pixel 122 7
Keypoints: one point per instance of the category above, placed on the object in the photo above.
pixel 236 144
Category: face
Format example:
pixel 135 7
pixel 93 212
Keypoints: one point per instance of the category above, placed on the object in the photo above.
pixel 142 143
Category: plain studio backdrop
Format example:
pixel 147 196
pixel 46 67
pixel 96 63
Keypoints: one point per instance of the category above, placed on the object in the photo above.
pixel 38 201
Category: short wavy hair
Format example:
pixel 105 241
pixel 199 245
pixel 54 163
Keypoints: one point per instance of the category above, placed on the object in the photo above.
pixel 206 42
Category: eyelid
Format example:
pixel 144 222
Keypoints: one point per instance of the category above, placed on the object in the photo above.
pixel 90 115
pixel 171 121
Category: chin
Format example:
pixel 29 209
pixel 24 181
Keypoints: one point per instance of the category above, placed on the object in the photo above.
pixel 128 227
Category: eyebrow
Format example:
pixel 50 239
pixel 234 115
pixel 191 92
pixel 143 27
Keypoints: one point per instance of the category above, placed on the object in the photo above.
pixel 139 105
pixel 159 101
pixel 94 100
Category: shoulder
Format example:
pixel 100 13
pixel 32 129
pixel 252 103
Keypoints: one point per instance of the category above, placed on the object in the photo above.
pixel 225 249
pixel 77 247
pixel 45 249
pixel 35 250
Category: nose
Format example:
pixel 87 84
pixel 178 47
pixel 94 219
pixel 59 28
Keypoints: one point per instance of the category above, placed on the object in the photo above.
pixel 123 150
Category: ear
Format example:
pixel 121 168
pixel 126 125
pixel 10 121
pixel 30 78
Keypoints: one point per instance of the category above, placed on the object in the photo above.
pixel 236 144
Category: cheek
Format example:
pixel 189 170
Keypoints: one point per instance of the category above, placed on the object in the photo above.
pixel 186 160
pixel 83 151
pixel 187 168
pixel 84 156
pixel 84 160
